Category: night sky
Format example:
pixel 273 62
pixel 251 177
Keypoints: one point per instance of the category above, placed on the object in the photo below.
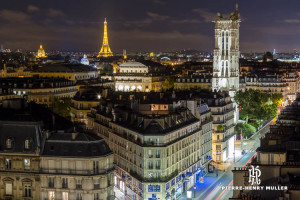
pixel 145 25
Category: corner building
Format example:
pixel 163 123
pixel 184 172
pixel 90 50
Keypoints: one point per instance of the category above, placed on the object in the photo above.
pixel 159 146
pixel 76 166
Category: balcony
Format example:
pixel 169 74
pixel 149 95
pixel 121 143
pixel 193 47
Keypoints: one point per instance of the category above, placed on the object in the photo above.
pixel 75 172
pixel 218 141
pixel 224 139
pixel 51 185
pixel 219 122
pixel 160 179
pixel 206 121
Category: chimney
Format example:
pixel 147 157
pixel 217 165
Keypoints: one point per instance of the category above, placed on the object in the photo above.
pixel 74 135
pixel 173 95
pixel 114 114
pixel 53 121
pixel 48 134
pixel 161 95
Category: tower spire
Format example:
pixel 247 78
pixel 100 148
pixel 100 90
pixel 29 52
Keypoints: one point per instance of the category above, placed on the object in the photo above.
pixel 236 7
pixel 105 50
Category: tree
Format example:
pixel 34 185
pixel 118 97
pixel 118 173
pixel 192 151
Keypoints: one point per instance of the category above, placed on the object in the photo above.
pixel 245 129
pixel 169 83
pixel 277 99
pixel 62 107
pixel 257 104
pixel 220 127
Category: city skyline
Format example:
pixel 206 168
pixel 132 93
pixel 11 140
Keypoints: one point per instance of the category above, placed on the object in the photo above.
pixel 154 25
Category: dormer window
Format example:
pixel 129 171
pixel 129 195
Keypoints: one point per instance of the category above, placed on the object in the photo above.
pixel 9 143
pixel 27 144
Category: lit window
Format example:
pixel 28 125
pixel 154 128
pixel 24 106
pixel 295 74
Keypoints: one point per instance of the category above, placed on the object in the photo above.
pixel 65 196
pixel 51 195
pixel 9 143
pixel 26 164
pixel 8 163
pixel 27 144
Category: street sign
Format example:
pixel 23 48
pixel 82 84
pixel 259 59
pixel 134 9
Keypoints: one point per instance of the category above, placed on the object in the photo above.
pixel 195 187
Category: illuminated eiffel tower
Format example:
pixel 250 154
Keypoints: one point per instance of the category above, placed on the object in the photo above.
pixel 105 50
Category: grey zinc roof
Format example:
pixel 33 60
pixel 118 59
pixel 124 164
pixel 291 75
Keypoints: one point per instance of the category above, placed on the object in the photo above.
pixel 19 132
pixel 64 67
pixel 84 145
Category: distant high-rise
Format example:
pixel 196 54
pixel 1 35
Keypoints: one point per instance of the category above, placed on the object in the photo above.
pixel 105 50
pixel 41 52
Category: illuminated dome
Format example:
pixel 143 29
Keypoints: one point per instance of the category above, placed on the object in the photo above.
pixel 85 60
pixel 41 52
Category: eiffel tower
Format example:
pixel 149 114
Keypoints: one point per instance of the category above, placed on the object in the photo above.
pixel 105 50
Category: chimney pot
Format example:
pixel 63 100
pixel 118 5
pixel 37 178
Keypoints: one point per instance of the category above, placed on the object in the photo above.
pixel 74 135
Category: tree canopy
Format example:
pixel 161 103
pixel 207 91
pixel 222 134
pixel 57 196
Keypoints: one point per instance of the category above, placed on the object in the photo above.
pixel 62 107
pixel 257 104
pixel 169 83
pixel 245 129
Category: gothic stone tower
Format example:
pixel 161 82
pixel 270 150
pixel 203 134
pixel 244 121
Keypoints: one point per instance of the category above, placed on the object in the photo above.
pixel 105 50
pixel 226 55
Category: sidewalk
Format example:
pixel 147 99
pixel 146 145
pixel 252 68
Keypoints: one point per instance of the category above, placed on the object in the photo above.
pixel 209 180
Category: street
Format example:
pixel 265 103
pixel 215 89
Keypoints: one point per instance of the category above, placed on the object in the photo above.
pixel 211 188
